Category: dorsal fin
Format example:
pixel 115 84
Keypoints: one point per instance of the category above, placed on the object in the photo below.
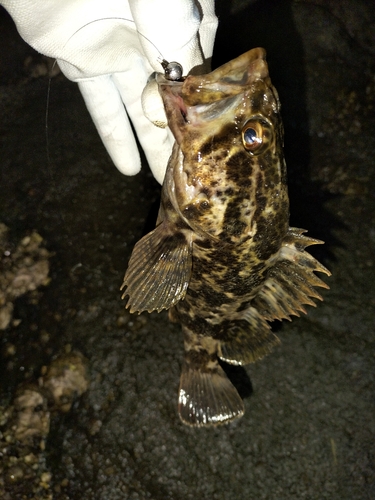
pixel 290 282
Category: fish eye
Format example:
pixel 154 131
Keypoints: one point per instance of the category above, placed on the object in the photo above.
pixel 252 136
pixel 256 134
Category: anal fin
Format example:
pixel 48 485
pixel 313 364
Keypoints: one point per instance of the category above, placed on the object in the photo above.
pixel 159 270
pixel 248 339
pixel 207 397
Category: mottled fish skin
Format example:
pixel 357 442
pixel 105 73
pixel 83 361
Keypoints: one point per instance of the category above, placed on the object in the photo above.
pixel 223 258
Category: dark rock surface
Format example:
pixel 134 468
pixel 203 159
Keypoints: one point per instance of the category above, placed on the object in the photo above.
pixel 309 427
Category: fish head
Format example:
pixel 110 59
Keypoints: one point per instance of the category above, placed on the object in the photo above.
pixel 229 173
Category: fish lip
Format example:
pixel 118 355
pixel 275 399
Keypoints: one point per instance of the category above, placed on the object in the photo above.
pixel 175 107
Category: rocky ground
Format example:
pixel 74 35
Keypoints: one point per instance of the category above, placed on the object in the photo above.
pixel 309 426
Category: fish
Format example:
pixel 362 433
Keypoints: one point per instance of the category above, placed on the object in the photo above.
pixel 222 258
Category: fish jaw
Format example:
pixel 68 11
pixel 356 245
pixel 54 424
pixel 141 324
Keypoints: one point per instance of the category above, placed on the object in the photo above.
pixel 209 100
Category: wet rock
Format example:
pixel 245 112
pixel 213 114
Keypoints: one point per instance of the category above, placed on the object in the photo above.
pixel 22 269
pixel 25 424
pixel 65 379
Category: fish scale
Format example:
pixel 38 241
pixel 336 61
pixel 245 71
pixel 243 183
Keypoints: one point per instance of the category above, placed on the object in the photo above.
pixel 222 257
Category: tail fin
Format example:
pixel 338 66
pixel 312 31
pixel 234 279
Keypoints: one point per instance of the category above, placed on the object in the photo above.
pixel 207 397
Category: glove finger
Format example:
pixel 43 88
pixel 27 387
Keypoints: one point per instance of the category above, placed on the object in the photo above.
pixel 208 27
pixel 158 154
pixel 175 33
pixel 156 142
pixel 91 35
pixel 107 111
pixel 152 105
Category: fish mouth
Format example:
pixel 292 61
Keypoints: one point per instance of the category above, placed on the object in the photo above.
pixel 175 107
pixel 203 98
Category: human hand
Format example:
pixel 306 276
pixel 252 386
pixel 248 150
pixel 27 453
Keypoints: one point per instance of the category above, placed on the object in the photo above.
pixel 110 49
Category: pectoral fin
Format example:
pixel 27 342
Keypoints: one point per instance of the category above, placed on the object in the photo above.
pixel 159 270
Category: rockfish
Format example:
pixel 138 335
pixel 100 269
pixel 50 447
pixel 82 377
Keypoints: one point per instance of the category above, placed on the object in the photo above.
pixel 223 258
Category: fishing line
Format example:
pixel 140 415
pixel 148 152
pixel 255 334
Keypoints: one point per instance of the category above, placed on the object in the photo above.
pixel 50 172
pixel 173 71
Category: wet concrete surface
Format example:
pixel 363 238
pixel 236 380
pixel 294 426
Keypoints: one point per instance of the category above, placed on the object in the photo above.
pixel 309 427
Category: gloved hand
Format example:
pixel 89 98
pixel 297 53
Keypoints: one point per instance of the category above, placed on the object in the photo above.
pixel 110 47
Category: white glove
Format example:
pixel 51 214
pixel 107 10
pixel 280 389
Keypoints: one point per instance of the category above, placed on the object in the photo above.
pixel 97 44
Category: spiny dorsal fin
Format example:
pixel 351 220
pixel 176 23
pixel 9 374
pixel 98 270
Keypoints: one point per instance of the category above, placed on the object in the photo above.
pixel 290 281
pixel 159 270
pixel 208 397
